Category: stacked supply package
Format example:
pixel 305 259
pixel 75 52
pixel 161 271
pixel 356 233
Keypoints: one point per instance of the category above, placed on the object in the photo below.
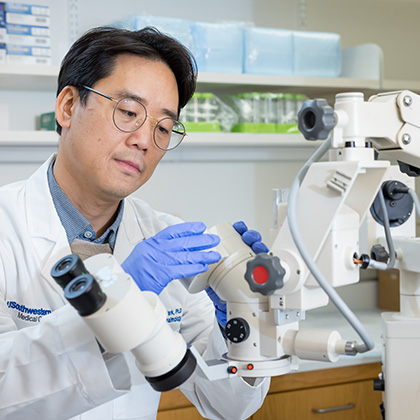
pixel 217 47
pixel 180 29
pixel 282 52
pixel 268 51
pixel 238 47
pixel 27 33
pixel 2 36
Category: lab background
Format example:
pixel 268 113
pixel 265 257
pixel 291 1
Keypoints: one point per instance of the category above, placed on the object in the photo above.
pixel 221 177
pixel 218 177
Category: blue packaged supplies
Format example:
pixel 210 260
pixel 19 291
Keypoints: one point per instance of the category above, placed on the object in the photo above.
pixel 180 29
pixel 27 9
pixel 316 54
pixel 217 47
pixel 268 51
pixel 2 24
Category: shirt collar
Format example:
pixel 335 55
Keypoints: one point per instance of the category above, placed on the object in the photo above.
pixel 74 223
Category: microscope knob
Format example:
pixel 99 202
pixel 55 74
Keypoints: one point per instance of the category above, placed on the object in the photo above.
pixel 237 330
pixel 316 119
pixel 264 274
pixel 379 253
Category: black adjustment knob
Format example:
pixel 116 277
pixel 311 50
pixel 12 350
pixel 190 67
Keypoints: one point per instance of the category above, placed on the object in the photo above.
pixel 264 274
pixel 379 253
pixel 316 119
pixel 398 202
pixel 378 385
pixel 237 330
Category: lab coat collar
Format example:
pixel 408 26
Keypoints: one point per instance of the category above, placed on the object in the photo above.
pixel 43 220
pixel 129 233
pixel 47 232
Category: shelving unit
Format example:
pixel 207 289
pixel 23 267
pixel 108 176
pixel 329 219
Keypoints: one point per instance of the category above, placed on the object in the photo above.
pixel 28 138
pixel 44 78
pixel 311 86
pixel 28 77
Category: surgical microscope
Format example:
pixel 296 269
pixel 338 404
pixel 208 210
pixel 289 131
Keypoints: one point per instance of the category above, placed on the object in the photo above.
pixel 315 250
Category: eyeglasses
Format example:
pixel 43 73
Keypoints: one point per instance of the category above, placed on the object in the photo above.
pixel 130 114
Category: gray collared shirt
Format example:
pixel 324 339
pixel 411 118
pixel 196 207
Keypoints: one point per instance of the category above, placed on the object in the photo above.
pixel 74 223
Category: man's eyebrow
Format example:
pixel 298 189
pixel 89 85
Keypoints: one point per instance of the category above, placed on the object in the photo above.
pixel 131 95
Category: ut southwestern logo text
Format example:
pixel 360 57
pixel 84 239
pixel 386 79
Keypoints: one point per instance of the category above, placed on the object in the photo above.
pixel 28 314
pixel 174 315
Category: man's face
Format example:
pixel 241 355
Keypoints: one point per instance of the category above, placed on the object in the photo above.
pixel 99 158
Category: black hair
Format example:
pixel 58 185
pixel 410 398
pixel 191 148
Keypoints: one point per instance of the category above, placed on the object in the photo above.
pixel 92 58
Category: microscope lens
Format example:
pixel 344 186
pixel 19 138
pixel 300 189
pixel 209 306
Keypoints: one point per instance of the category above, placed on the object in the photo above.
pixel 65 270
pixel 85 294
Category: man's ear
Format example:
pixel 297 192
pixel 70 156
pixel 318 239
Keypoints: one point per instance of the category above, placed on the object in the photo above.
pixel 65 105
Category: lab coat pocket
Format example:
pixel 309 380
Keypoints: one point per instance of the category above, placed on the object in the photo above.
pixel 140 403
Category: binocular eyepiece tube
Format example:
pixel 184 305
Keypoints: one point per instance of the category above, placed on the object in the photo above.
pixel 81 289
pixel 125 318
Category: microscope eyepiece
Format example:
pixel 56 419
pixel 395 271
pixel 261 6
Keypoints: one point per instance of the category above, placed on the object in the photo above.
pixel 85 294
pixel 68 268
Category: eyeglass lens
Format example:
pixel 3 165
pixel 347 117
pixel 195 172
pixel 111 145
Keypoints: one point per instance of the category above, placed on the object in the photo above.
pixel 130 114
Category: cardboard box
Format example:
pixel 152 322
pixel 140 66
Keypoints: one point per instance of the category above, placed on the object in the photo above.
pixel 47 121
pixel 22 19
pixel 27 59
pixel 389 290
pixel 12 28
pixel 28 40
pixel 27 50
pixel 27 9
pixel 2 24
pixel 2 53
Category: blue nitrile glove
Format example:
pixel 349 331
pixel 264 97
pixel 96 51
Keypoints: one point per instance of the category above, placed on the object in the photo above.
pixel 253 239
pixel 219 306
pixel 171 254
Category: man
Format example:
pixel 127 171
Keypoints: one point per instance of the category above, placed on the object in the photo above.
pixel 119 96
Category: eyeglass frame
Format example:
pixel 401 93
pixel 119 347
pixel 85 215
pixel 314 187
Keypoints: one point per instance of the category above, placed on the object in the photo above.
pixel 117 102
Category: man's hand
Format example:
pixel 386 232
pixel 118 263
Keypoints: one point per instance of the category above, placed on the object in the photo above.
pixel 173 253
pixel 253 239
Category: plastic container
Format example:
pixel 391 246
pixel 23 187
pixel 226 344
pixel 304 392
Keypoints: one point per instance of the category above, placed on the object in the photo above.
pixel 205 112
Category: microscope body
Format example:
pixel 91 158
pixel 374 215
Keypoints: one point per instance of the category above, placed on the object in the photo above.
pixel 391 123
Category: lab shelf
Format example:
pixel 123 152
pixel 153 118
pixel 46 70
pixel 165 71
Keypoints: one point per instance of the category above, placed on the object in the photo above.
pixel 246 140
pixel 28 138
pixel 36 146
pixel 40 77
pixel 311 86
pixel 44 78
pixel 212 140
pixel 28 77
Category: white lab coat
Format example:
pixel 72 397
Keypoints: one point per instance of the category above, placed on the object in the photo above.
pixel 51 367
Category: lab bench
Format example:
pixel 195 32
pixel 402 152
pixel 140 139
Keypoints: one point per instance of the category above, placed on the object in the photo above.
pixel 318 390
